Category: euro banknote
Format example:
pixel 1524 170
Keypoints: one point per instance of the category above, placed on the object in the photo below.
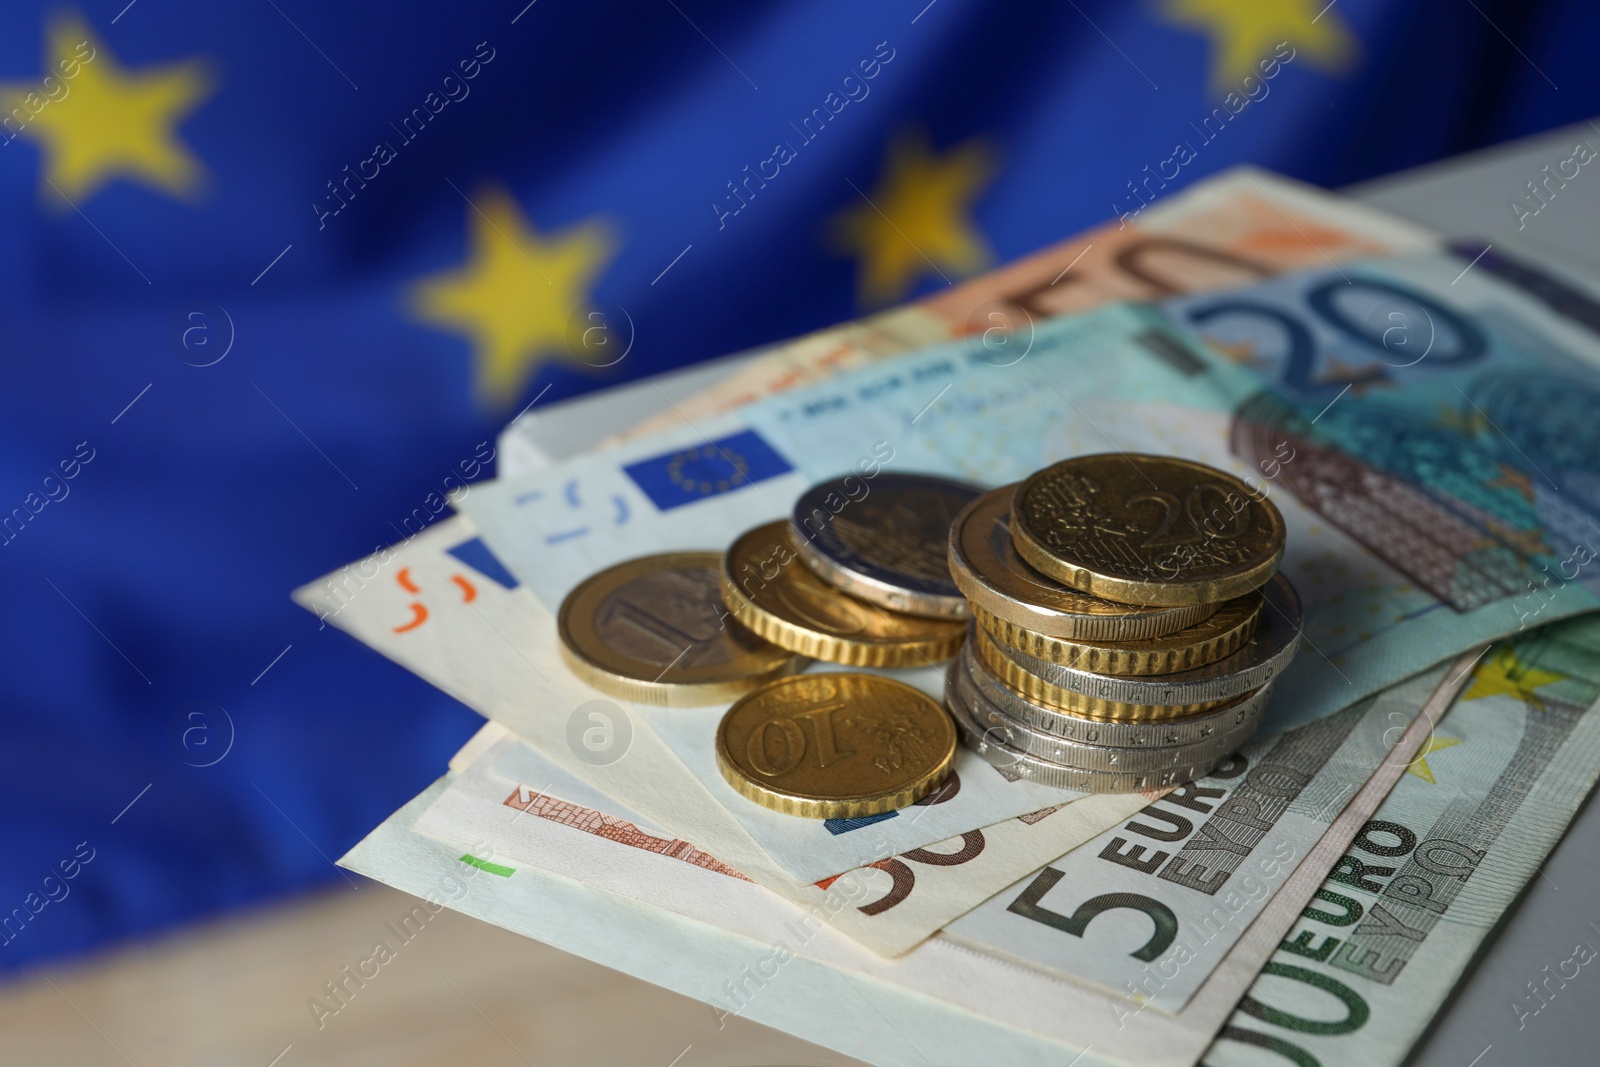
pixel 1395 925
pixel 1434 414
pixel 939 1002
pixel 529 809
pixel 442 605
pixel 1149 908
pixel 1233 228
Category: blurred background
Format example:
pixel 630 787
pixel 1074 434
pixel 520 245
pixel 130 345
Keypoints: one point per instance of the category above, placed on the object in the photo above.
pixel 273 276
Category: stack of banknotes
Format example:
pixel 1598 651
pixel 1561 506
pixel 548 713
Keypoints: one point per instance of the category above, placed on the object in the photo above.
pixel 1422 415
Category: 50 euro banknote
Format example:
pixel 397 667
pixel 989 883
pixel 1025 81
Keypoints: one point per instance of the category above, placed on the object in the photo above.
pixel 1230 229
pixel 1234 229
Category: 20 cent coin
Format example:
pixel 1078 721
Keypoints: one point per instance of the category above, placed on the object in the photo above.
pixel 1147 529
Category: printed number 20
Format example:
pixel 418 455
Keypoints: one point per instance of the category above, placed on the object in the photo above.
pixel 1300 360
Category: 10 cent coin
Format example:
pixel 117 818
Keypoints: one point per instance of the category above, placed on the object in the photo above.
pixel 835 746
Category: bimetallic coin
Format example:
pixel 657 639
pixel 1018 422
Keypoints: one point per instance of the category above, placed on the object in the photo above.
pixel 988 744
pixel 1152 733
pixel 1205 642
pixel 987 568
pixel 1147 529
pixel 1086 757
pixel 769 590
pixel 1276 640
pixel 884 539
pixel 655 630
pixel 836 746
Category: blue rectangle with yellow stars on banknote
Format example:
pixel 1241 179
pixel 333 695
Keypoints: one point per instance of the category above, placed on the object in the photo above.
pixel 685 475
pixel 274 275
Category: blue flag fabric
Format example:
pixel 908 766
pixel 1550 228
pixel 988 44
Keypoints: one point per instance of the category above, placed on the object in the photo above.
pixel 272 276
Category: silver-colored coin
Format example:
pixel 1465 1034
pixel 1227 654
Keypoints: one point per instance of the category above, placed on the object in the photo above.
pixel 1099 757
pixel 1246 711
pixel 1276 640
pixel 989 744
pixel 884 539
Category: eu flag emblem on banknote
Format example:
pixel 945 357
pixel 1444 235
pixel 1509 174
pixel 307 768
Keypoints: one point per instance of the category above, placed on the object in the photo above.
pixel 685 475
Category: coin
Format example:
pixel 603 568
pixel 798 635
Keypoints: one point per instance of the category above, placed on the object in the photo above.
pixel 655 630
pixel 1002 662
pixel 835 746
pixel 1205 642
pixel 988 570
pixel 1147 529
pixel 776 596
pixel 1013 761
pixel 1273 646
pixel 1082 756
pixel 884 539
pixel 1151 733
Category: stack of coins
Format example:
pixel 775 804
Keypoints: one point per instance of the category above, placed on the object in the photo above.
pixel 1128 621
pixel 857 575
pixel 1119 621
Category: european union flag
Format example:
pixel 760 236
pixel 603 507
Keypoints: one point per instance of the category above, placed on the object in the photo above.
pixel 274 275
pixel 686 475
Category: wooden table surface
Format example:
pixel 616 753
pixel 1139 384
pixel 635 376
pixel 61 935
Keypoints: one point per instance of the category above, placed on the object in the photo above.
pixel 235 991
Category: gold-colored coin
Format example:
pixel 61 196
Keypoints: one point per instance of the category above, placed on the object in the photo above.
pixel 836 746
pixel 655 630
pixel 1223 634
pixel 990 574
pixel 1147 529
pixel 1065 700
pixel 771 591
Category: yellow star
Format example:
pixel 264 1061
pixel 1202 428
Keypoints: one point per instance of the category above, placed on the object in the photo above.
pixel 516 294
pixel 102 121
pixel 1245 32
pixel 917 219
pixel 1504 674
pixel 1419 766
